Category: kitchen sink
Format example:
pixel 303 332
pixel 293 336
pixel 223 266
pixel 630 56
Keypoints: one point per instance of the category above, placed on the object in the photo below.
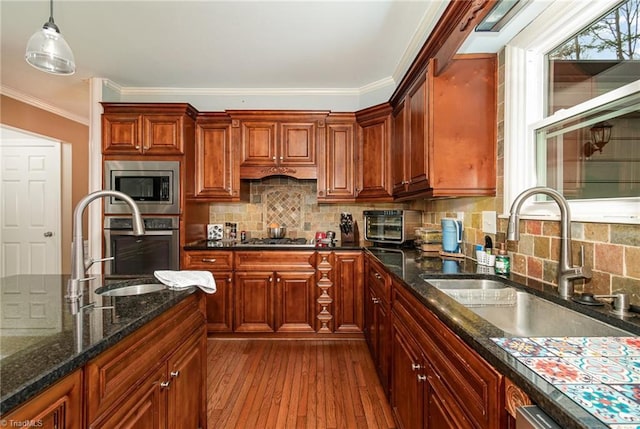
pixel 466 283
pixel 130 290
pixel 520 313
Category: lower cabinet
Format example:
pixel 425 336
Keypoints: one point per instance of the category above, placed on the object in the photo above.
pixel 377 320
pixel 274 301
pixel 58 407
pixel 437 381
pixel 154 378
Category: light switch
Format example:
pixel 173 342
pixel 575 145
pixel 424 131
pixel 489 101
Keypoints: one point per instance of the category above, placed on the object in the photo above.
pixel 489 221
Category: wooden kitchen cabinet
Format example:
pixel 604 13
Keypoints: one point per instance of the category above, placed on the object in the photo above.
pixel 456 387
pixel 445 131
pixel 213 172
pixel 377 312
pixel 155 376
pixel 219 304
pixel 374 154
pixel 274 291
pixel 278 142
pixel 337 166
pixel 348 282
pixel 58 407
pixel 147 128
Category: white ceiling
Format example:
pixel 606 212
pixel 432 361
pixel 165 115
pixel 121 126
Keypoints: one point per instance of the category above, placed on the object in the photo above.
pixel 327 49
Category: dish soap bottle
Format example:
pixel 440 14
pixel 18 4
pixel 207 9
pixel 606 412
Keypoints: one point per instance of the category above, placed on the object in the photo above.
pixel 503 263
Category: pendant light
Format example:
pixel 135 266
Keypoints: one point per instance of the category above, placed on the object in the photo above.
pixel 48 51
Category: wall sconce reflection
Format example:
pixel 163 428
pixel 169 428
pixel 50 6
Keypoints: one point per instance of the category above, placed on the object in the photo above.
pixel 600 136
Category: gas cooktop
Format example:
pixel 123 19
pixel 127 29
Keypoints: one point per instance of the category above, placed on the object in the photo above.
pixel 276 242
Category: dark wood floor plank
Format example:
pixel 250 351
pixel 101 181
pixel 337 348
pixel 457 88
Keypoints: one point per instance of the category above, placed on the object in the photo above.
pixel 323 384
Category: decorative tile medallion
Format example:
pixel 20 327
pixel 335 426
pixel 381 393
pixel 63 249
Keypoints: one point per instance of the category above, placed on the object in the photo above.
pixel 284 206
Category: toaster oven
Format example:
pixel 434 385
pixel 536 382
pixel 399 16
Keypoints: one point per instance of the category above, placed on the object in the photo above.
pixel 391 226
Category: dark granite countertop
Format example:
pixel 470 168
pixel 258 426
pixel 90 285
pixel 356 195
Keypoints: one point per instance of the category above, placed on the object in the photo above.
pixel 230 245
pixel 409 265
pixel 42 338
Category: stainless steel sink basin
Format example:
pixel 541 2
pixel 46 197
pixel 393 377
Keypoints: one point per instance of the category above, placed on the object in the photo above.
pixel 532 316
pixel 139 289
pixel 520 313
pixel 465 283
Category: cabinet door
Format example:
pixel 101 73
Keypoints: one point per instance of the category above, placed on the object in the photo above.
pixel 162 135
pixel 297 144
pixel 407 389
pixel 253 305
pixel 370 325
pixel 418 174
pixel 145 407
pixel 186 375
pixel 441 411
pixel 400 153
pixel 339 163
pixel 374 159
pixel 121 133
pixel 220 304
pixel 383 327
pixel 215 177
pixel 294 301
pixel 258 144
pixel 58 407
pixel 348 291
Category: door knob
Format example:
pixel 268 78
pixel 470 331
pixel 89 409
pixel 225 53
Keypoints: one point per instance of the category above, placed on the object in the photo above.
pixel 48 234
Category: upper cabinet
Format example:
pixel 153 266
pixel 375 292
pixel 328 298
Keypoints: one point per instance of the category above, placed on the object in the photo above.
pixel 337 166
pixel 374 154
pixel 444 139
pixel 147 128
pixel 278 142
pixel 212 163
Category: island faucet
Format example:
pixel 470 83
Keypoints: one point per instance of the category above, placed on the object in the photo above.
pixel 80 265
pixel 566 272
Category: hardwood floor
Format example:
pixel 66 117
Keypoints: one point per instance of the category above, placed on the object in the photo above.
pixel 294 384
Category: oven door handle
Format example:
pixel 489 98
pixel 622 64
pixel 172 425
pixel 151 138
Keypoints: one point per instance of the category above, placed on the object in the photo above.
pixel 147 232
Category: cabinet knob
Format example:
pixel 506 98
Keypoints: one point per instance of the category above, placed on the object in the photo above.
pixel 281 158
pixel 165 384
pixel 278 279
pixel 416 366
pixel 137 147
pixel 174 374
pixel 274 158
pixel 229 280
pixel 377 275
pixel 422 378
pixel 375 300
pixel 209 260
pixel 270 279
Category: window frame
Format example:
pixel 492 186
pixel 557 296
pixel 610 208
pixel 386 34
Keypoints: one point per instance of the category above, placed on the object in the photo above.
pixel 525 88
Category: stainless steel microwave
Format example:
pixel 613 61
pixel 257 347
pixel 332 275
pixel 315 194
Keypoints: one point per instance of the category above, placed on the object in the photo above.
pixel 153 185
pixel 391 226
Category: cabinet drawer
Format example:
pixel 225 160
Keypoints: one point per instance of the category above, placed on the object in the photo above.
pixel 208 260
pixel 274 261
pixel 379 280
pixel 114 374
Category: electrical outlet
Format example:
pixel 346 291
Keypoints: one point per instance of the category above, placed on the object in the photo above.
pixel 489 221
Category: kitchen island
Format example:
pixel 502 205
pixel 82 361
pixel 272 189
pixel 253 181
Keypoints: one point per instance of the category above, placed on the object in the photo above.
pixel 44 339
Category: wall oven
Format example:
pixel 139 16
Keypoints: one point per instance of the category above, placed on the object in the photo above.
pixel 154 185
pixel 158 249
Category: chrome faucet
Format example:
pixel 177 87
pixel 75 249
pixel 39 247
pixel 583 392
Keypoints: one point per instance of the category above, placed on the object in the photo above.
pixel 566 272
pixel 80 265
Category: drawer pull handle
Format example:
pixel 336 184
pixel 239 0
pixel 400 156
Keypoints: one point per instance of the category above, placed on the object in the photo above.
pixel 174 374
pixel 165 384
pixel 422 378
pixel 211 260
pixel 416 366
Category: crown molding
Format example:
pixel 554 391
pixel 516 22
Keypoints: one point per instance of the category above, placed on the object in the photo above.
pixel 42 105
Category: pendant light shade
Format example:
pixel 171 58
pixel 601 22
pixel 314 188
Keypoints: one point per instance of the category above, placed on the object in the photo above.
pixel 48 51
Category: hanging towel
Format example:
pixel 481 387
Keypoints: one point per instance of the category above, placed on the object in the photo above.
pixel 184 279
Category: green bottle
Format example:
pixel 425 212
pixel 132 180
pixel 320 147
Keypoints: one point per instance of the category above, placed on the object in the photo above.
pixel 503 263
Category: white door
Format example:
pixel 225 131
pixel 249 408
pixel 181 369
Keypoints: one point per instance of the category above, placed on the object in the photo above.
pixel 30 204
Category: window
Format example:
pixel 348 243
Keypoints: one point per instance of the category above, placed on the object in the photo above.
pixel 568 63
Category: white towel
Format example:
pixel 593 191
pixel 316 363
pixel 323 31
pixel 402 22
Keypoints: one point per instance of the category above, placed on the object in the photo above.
pixel 184 279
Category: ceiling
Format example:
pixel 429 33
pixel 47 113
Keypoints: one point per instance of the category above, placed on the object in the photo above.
pixel 196 51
